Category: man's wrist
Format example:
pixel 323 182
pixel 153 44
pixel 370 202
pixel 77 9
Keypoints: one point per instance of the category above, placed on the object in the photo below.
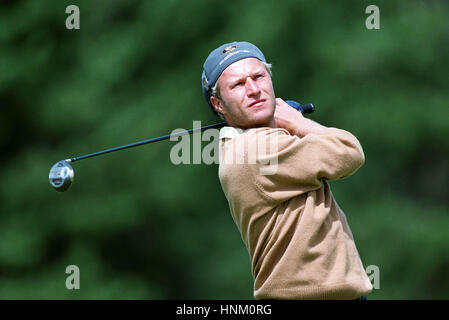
pixel 307 126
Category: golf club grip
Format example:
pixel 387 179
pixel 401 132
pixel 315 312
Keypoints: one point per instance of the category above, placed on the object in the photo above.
pixel 303 108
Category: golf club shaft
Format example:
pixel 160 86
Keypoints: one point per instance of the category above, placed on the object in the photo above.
pixel 306 108
pixel 139 143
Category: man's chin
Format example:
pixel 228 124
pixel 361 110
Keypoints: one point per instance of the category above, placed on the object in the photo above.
pixel 260 121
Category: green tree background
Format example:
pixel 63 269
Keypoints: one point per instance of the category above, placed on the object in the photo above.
pixel 140 227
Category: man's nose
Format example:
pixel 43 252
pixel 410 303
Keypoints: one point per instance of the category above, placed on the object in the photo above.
pixel 251 87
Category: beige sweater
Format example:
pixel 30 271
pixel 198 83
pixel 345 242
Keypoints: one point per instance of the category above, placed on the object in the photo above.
pixel 298 239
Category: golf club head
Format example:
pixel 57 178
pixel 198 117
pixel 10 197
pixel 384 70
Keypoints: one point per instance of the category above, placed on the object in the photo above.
pixel 61 175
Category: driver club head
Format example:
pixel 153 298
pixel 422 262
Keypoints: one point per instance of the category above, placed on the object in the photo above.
pixel 61 175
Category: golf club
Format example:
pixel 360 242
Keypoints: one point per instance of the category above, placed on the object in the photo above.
pixel 62 174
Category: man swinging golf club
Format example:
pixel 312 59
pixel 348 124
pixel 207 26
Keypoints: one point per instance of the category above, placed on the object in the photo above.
pixel 298 239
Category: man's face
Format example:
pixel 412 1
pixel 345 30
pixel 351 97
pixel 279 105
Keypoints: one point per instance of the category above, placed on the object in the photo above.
pixel 247 95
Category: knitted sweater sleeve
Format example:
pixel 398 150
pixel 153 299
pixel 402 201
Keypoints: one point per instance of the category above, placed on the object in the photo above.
pixel 303 162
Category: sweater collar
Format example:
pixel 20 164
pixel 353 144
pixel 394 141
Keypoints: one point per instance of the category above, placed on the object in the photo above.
pixel 230 132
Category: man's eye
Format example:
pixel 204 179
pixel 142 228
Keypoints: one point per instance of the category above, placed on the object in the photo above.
pixel 237 84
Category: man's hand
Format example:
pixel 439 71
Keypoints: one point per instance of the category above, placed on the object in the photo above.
pixel 293 121
pixel 286 117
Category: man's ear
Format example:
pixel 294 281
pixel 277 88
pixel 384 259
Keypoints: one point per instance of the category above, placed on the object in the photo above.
pixel 217 104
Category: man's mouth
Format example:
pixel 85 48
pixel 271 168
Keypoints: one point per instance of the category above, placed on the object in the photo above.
pixel 257 103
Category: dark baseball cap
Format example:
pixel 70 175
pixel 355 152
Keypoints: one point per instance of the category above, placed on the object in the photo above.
pixel 220 58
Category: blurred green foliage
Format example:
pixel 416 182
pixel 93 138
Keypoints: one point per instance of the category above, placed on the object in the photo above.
pixel 139 227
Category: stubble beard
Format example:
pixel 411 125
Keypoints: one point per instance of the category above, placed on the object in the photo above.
pixel 248 118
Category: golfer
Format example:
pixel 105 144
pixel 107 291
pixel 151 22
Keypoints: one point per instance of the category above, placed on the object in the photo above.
pixel 298 238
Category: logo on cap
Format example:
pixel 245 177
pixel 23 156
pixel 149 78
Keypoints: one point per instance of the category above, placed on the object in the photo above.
pixel 228 49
